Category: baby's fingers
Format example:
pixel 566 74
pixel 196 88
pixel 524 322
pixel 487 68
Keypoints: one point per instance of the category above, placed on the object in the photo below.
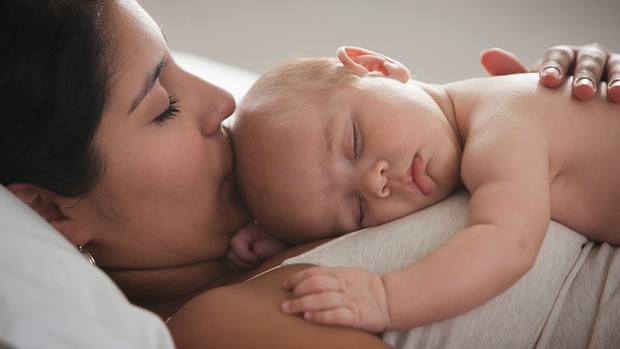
pixel 340 316
pixel 316 284
pixel 237 262
pixel 295 279
pixel 314 302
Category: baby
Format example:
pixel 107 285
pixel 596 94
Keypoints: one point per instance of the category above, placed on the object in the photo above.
pixel 327 146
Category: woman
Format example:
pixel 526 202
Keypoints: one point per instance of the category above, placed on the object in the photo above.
pixel 123 152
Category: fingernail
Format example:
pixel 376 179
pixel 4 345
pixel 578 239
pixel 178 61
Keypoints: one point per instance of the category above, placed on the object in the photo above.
pixel 614 83
pixel 585 82
pixel 552 71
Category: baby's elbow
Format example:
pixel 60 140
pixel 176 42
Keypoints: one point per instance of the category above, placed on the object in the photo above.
pixel 525 262
pixel 524 258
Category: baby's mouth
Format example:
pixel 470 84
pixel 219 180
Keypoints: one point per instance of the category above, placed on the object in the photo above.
pixel 418 178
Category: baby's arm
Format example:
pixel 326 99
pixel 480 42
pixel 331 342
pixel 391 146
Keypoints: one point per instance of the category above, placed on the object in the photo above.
pixel 509 217
pixel 250 246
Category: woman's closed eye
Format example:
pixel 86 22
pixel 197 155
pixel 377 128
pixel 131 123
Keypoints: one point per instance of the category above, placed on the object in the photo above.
pixel 170 112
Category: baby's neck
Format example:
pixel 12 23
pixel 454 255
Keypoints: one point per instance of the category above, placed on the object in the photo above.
pixel 442 97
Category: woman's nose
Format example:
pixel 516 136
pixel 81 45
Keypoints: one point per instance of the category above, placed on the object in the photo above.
pixel 375 180
pixel 218 105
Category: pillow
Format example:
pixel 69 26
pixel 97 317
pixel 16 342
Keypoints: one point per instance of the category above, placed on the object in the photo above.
pixel 51 297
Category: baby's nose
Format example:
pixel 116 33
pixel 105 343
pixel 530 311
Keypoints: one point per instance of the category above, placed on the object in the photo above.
pixel 375 180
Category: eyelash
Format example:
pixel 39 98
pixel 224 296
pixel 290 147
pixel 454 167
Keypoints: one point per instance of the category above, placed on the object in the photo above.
pixel 357 142
pixel 357 149
pixel 170 112
pixel 362 213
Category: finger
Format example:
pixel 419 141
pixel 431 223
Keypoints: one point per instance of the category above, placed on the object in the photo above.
pixel 267 247
pixel 591 61
pixel 314 302
pixel 340 316
pixel 241 249
pixel 613 78
pixel 231 262
pixel 317 284
pixel 292 282
pixel 555 65
pixel 234 262
pixel 498 61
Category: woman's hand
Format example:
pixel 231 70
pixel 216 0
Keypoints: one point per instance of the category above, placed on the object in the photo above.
pixel 350 297
pixel 590 64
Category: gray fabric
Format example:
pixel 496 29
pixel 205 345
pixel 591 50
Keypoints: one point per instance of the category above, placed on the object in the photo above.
pixel 570 297
pixel 587 313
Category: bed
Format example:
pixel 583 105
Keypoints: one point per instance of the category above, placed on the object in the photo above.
pixel 51 297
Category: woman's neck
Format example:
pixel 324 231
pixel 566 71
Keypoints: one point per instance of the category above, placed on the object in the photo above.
pixel 163 291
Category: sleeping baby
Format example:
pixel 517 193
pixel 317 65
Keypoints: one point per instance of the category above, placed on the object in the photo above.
pixel 327 146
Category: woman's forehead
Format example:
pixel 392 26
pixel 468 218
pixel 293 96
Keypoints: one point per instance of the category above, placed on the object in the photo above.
pixel 136 45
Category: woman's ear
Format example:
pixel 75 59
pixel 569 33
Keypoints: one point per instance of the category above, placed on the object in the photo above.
pixel 363 62
pixel 37 199
pixel 47 205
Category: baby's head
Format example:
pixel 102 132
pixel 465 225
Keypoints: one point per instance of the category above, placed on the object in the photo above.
pixel 271 146
pixel 324 146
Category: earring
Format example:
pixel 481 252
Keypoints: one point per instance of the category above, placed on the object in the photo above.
pixel 89 257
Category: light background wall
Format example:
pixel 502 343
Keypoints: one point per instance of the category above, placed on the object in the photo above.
pixel 438 40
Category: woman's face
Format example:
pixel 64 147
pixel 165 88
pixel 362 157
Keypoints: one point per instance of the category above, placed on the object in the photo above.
pixel 167 196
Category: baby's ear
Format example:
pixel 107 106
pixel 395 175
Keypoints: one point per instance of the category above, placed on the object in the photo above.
pixel 363 62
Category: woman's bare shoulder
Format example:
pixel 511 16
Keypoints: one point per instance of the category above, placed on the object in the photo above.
pixel 248 315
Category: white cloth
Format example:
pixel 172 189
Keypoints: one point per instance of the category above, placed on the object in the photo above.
pixel 51 297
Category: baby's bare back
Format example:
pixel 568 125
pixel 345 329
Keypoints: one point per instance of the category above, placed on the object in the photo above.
pixel 585 184
pixel 584 143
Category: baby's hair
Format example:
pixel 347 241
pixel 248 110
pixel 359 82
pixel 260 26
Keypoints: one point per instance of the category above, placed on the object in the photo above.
pixel 267 106
pixel 302 75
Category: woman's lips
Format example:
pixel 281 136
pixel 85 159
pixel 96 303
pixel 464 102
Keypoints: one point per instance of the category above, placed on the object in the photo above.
pixel 417 175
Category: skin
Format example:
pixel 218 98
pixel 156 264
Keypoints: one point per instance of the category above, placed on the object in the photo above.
pixel 592 65
pixel 588 64
pixel 343 188
pixel 160 219
pixel 497 248
pixel 212 317
pixel 158 173
pixel 162 172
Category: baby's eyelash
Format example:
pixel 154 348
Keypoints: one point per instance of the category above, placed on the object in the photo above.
pixel 362 213
pixel 170 112
pixel 357 142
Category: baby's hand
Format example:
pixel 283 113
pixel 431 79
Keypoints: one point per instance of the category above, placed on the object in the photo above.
pixel 250 246
pixel 339 296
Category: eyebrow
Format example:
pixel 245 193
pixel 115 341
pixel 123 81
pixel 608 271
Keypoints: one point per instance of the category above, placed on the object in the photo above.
pixel 332 132
pixel 149 82
pixel 330 136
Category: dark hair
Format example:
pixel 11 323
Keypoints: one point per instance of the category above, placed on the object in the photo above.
pixel 53 87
